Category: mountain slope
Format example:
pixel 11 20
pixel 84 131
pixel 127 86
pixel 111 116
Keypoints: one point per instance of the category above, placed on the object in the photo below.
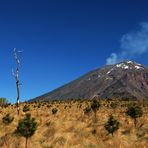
pixel 125 80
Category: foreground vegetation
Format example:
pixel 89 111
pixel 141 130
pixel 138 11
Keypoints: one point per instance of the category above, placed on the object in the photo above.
pixel 75 124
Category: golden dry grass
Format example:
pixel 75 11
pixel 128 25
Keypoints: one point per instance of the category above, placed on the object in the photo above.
pixel 71 128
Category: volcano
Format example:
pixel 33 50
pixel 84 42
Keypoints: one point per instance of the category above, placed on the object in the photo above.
pixel 124 80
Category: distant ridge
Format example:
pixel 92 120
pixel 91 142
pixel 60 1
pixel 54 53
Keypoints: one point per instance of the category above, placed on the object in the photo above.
pixel 125 80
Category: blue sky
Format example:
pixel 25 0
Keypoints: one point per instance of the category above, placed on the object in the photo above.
pixel 62 40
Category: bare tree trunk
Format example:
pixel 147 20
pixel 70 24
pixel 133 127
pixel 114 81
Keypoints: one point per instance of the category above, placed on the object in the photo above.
pixel 112 134
pixel 135 122
pixel 26 142
pixel 16 75
pixel 18 95
pixel 95 116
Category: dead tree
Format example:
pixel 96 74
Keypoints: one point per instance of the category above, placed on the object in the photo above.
pixel 16 75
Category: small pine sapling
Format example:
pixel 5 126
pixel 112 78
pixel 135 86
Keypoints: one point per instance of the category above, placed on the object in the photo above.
pixel 26 127
pixel 134 112
pixel 111 125
pixel 95 106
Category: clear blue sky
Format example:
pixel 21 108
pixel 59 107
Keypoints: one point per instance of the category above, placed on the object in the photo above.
pixel 64 39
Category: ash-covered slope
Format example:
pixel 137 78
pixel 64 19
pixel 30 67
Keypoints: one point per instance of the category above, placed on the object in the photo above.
pixel 125 80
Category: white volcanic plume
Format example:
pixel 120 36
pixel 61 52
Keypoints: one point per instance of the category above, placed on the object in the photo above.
pixel 132 45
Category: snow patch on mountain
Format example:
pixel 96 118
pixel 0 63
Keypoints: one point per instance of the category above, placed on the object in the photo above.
pixel 99 76
pixel 127 65
pixel 122 65
pixel 138 67
pixel 129 62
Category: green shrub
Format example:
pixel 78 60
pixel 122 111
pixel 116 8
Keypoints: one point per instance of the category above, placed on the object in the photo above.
pixel 26 108
pixel 3 102
pixel 87 110
pixel 113 105
pixel 48 105
pixel 7 119
pixel 54 110
pixel 39 105
pixel 94 131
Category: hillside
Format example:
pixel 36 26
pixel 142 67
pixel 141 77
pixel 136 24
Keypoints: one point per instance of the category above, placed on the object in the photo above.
pixel 71 127
pixel 125 80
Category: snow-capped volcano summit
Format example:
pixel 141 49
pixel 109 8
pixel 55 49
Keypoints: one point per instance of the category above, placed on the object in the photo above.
pixel 126 65
pixel 129 65
pixel 124 80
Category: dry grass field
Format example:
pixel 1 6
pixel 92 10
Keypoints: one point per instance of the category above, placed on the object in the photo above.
pixel 70 127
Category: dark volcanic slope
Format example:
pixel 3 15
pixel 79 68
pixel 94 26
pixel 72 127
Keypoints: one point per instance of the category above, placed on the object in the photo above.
pixel 126 80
